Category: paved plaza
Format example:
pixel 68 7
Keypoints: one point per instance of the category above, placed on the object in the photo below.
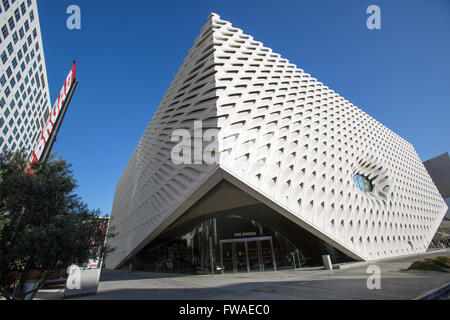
pixel 350 282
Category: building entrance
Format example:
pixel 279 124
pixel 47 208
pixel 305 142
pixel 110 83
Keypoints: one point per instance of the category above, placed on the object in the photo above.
pixel 247 255
pixel 240 240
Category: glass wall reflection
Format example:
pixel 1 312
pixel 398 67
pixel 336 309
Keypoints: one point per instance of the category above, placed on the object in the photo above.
pixel 247 239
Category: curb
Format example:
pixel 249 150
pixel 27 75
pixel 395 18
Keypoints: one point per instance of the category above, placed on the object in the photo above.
pixel 435 293
pixel 353 265
pixel 356 264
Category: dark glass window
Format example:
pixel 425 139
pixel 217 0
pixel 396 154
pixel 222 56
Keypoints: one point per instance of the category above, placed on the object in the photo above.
pixel 15 37
pixel 17 14
pixel 11 23
pixel 10 48
pixel 6 4
pixel 5 31
pixel 38 84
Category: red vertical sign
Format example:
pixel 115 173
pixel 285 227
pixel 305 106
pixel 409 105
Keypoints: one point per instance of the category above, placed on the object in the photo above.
pixel 47 130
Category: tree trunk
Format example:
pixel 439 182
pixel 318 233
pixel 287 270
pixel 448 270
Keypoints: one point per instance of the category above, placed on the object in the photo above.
pixel 19 293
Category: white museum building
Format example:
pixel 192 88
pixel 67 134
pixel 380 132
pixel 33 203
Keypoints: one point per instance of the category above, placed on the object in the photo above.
pixel 299 172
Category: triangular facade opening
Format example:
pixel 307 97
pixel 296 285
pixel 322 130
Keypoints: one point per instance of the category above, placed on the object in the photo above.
pixel 228 231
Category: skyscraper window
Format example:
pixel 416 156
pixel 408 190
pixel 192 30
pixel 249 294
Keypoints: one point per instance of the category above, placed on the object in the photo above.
pixel 5 4
pixel 5 31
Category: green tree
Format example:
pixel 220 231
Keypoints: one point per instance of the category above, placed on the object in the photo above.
pixel 44 225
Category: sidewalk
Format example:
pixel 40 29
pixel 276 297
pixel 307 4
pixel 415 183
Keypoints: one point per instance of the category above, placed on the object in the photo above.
pixel 348 283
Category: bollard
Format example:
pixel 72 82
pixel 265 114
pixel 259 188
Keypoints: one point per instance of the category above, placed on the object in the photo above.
pixel 327 262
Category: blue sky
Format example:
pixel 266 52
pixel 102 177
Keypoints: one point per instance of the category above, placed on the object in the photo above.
pixel 128 52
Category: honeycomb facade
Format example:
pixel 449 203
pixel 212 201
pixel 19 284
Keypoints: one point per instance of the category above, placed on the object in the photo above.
pixel 287 140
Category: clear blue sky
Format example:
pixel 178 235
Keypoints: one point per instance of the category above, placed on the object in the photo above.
pixel 129 51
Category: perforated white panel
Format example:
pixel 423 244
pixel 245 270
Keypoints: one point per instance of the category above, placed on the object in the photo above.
pixel 289 138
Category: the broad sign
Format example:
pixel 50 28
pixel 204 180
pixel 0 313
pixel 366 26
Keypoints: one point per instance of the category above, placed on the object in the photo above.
pixel 47 130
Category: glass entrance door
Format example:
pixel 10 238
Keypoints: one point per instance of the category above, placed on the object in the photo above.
pixel 268 260
pixel 227 257
pixel 247 255
pixel 241 257
pixel 254 259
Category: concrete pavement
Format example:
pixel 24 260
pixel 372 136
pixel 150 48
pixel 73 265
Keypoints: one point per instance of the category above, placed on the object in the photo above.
pixel 348 283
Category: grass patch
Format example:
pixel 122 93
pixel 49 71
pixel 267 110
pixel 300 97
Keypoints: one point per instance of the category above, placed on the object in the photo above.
pixel 441 263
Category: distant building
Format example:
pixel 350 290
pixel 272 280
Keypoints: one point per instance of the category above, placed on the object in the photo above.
pixel 299 171
pixel 439 170
pixel 24 95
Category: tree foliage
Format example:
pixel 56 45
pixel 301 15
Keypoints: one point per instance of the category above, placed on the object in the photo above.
pixel 44 225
